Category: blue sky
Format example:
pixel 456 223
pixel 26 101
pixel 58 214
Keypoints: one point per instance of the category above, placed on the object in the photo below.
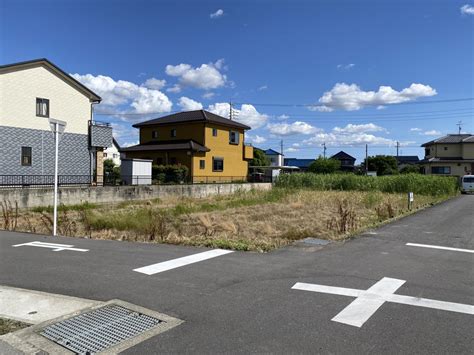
pixel 362 68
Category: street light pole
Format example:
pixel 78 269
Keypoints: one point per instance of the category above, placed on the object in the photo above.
pixel 55 208
pixel 57 127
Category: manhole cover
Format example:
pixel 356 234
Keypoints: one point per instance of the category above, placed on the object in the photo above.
pixel 100 329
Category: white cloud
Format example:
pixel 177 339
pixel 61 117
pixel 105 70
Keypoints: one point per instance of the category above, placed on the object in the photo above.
pixel 129 144
pixel 125 95
pixel 415 129
pixel 154 83
pixel 352 139
pixel 283 117
pixel 432 132
pixel 247 114
pixel 359 128
pixel 467 9
pixel 255 139
pixel 291 149
pixel 188 104
pixel 174 89
pixel 217 14
pixel 345 66
pixel 208 95
pixel 350 97
pixel 206 77
pixel 288 129
pixel 262 88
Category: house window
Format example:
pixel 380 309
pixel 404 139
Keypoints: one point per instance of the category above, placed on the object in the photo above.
pixel 202 164
pixel 42 107
pixel 173 161
pixel 233 137
pixel 173 132
pixel 445 148
pixel 154 134
pixel 214 132
pixel 427 151
pixel 217 164
pixel 446 170
pixel 26 156
pixel 105 155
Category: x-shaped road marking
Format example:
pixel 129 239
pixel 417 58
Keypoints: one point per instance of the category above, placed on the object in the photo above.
pixel 368 301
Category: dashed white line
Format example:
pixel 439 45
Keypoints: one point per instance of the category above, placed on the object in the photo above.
pixel 186 260
pixel 440 247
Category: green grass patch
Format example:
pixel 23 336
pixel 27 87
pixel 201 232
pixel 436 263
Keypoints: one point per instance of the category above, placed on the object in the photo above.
pixel 416 183
pixel 79 207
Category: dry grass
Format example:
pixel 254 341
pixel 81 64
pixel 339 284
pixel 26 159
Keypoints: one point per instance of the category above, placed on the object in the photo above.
pixel 10 326
pixel 256 220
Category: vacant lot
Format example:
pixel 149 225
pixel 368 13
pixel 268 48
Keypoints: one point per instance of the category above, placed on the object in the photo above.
pixel 255 220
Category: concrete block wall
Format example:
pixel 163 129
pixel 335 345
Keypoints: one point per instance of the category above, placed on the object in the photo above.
pixel 28 198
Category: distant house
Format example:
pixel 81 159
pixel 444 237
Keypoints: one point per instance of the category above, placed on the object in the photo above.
pixel 276 158
pixel 302 164
pixel 32 93
pixel 404 160
pixel 347 161
pixel 452 154
pixel 113 153
pixel 211 146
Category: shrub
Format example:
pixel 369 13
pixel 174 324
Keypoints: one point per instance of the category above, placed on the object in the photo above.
pixel 169 173
pixel 416 183
pixel 324 166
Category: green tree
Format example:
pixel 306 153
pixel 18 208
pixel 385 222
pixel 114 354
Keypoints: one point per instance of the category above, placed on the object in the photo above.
pixel 259 158
pixel 324 166
pixel 410 169
pixel 111 171
pixel 383 165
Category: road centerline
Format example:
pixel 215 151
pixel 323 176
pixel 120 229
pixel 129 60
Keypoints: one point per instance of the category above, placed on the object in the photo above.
pixel 179 262
pixel 440 247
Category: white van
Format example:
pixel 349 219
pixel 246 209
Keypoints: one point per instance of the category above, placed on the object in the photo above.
pixel 467 184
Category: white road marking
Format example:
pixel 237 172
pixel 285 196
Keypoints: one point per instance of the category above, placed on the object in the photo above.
pixel 186 260
pixel 55 247
pixel 440 247
pixel 367 302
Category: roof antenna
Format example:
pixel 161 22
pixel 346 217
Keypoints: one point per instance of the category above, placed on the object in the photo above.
pixel 230 109
pixel 459 124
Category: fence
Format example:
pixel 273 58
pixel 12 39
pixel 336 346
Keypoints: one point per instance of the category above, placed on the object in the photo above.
pixel 37 181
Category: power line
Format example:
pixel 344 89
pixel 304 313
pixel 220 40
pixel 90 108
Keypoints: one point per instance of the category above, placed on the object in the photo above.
pixel 391 104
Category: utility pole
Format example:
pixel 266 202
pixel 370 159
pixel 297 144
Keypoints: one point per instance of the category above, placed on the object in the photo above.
pixel 398 146
pixel 230 109
pixel 281 147
pixel 324 149
pixel 366 159
pixel 459 124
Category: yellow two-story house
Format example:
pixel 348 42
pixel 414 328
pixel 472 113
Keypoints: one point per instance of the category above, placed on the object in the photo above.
pixel 449 155
pixel 211 146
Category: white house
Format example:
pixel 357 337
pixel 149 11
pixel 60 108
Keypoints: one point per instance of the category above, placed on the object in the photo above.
pixel 113 152
pixel 31 93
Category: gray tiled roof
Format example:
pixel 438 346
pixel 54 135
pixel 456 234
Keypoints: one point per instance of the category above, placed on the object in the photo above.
pixel 451 139
pixel 192 116
pixel 167 145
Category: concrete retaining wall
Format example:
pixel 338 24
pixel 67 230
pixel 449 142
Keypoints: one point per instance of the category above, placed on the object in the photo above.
pixel 28 198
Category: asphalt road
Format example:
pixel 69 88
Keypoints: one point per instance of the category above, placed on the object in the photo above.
pixel 244 302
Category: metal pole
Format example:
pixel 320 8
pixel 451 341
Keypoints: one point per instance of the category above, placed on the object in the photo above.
pixel 55 210
pixel 366 159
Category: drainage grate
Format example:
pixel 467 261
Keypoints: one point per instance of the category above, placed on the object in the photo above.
pixel 316 241
pixel 100 329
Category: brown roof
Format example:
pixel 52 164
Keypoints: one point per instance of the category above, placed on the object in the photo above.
pixel 193 116
pixel 451 139
pixel 167 145
pixel 61 73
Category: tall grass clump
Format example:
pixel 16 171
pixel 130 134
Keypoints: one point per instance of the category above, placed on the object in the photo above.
pixel 416 183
